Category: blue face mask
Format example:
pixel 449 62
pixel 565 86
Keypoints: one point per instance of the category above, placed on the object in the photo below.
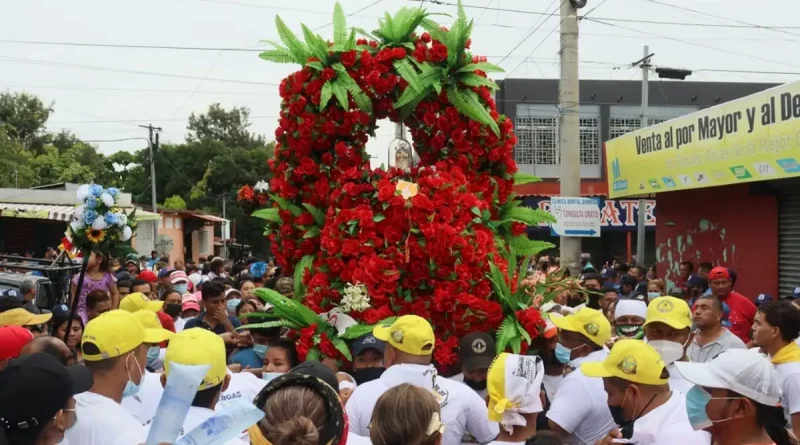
pixel 260 350
pixel 563 353
pixel 152 355
pixel 232 303
pixel 183 288
pixel 653 295
pixel 697 399
pixel 131 389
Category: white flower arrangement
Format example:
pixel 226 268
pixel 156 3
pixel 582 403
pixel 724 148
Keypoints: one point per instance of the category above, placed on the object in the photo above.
pixel 355 298
pixel 261 186
pixel 96 222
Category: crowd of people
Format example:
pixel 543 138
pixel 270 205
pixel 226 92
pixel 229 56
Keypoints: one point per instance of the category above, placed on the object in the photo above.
pixel 622 359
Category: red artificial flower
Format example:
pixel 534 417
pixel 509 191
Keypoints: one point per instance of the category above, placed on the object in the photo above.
pixel 348 59
pixel 328 74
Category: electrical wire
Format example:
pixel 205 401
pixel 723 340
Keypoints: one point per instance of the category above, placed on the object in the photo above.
pixel 613 19
pixel 719 17
pixel 535 28
pixel 351 14
pixel 141 120
pixel 137 90
pixel 534 49
pixel 199 84
pixel 595 7
pixel 127 71
pixel 687 42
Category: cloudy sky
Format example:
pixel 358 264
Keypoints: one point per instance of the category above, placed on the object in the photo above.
pixel 103 93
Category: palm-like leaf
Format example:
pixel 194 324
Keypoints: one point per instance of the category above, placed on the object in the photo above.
pixel 317 46
pixel 319 215
pixel 270 324
pixel 299 270
pixel 474 80
pixel 286 205
pixel 524 178
pixel 270 214
pixel 483 66
pixel 278 56
pixel 468 104
pixel 339 25
pixel 293 44
pixel 325 95
pixel 526 215
pixel 288 309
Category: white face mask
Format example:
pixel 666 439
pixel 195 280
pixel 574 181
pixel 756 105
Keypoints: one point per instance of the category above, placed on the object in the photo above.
pixel 669 351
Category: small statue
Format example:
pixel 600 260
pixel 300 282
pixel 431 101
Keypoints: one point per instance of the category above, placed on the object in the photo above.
pixel 402 157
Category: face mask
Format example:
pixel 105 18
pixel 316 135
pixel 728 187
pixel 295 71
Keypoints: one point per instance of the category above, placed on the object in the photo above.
pixel 564 354
pixel 181 287
pixel 152 355
pixel 477 385
pixel 232 303
pixel 367 374
pixel 260 350
pixel 670 351
pixel 631 331
pixel 132 388
pixel 172 309
pixel 615 287
pixel 697 399
pixel 618 414
pixel 653 295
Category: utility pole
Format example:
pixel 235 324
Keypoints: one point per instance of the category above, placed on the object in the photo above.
pixel 569 124
pixel 224 226
pixel 644 64
pixel 153 147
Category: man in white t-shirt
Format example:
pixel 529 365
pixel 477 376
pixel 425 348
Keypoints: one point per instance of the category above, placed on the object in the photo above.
pixel 407 356
pixel 515 385
pixel 579 409
pixel 645 409
pixel 667 328
pixel 198 346
pixel 776 325
pixel 114 347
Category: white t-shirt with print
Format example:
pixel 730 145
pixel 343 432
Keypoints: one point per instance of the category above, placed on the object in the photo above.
pixel 580 405
pixel 668 425
pixel 550 384
pixel 789 376
pixel 195 417
pixel 484 393
pixel 102 421
pixel 463 411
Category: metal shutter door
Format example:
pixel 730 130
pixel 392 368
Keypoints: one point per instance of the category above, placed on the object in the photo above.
pixel 788 243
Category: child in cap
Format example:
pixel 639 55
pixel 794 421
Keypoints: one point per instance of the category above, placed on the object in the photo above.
pixel 515 384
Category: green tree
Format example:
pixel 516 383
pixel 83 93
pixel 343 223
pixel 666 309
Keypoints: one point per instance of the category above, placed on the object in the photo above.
pixel 174 203
pixel 229 127
pixel 23 117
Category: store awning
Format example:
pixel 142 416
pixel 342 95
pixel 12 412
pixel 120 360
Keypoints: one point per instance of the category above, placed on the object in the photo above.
pixel 210 218
pixel 56 212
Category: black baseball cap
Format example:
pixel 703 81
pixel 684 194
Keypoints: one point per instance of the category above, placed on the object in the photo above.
pixel 629 280
pixel 365 342
pixel 476 350
pixel 318 370
pixel 34 388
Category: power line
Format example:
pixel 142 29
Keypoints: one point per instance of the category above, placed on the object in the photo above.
pixel 351 14
pixel 137 90
pixel 595 7
pixel 141 120
pixel 534 49
pixel 533 30
pixel 719 17
pixel 127 71
pixel 687 42
pixel 613 19
pixel 118 45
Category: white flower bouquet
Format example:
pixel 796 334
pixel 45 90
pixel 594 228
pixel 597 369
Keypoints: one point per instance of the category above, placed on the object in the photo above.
pixel 97 223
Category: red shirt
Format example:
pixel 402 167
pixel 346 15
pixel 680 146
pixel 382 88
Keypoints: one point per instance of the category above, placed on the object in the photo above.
pixel 742 316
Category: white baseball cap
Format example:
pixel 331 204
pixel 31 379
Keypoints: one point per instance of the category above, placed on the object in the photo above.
pixel 743 371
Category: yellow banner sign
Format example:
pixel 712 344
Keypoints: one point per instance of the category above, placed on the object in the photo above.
pixel 754 138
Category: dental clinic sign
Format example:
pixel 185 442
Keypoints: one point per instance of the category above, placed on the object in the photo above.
pixel 615 214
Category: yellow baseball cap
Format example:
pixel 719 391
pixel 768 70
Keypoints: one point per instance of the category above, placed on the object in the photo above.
pixel 114 333
pixel 671 311
pixel 137 301
pixel 197 346
pixel 22 317
pixel 152 326
pixel 631 360
pixel 409 333
pixel 586 321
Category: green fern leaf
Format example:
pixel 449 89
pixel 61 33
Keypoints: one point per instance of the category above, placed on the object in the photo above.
pixel 524 178
pixel 527 215
pixel 341 346
pixel 339 25
pixel 483 66
pixel 366 34
pixel 266 325
pixel 410 96
pixel 468 104
pixel 286 205
pixel 475 80
pixel 313 355
pixel 299 270
pixel 340 92
pixel 315 65
pixel 525 246
pixel 506 333
pixel 293 44
pixel 516 343
pixel 268 214
pixel 407 72
pixel 277 56
pixel 499 282
pixel 317 47
pixel 319 215
pixel 362 101
pixel 408 109
pixel 434 29
pixel 351 41
pixel 523 271
pixel 325 95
